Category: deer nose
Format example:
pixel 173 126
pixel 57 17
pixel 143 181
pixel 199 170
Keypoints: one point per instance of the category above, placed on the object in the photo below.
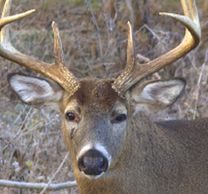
pixel 93 163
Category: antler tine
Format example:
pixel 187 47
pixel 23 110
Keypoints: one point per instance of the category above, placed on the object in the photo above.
pixel 118 83
pixel 58 51
pixel 67 80
pixel 191 39
pixel 56 72
pixel 6 19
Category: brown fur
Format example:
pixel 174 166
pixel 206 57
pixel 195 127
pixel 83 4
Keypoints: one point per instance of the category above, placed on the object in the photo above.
pixel 157 158
pixel 97 94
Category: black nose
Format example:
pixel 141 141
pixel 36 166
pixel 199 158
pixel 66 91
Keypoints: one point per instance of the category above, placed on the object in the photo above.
pixel 93 163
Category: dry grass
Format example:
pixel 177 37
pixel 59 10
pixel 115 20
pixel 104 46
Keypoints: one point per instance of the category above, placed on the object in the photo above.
pixel 31 146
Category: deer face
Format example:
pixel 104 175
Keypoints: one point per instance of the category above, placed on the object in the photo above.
pixel 94 126
pixel 96 120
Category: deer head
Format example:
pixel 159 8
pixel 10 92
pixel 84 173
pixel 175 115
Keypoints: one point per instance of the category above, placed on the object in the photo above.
pixel 97 113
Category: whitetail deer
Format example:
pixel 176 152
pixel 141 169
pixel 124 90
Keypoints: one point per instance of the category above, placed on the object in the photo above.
pixel 114 146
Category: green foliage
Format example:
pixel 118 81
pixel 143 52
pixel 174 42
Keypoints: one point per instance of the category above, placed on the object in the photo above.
pixel 76 2
pixel 47 4
pixel 96 4
pixel 29 164
pixel 170 3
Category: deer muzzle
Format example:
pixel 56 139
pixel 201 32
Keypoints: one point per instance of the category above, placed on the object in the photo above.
pixel 93 161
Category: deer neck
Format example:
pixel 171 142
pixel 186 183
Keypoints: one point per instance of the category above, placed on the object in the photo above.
pixel 147 146
pixel 135 162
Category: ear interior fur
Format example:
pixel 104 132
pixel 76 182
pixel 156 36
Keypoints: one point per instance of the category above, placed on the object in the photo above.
pixel 34 90
pixel 157 95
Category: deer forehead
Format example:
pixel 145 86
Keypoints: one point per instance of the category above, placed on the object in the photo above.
pixel 96 95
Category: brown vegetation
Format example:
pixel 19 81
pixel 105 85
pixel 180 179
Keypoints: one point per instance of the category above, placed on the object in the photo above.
pixel 31 146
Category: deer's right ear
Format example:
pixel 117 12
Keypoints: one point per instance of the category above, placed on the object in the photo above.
pixel 34 90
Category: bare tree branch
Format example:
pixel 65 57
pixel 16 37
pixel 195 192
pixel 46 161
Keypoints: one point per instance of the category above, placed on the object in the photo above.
pixel 39 186
pixel 54 175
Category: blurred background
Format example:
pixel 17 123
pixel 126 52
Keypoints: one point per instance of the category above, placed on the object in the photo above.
pixel 94 36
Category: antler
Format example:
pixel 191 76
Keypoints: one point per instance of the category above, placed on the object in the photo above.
pixel 57 72
pixel 133 74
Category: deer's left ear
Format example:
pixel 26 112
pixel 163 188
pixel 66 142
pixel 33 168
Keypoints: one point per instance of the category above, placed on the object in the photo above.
pixel 157 95
pixel 34 90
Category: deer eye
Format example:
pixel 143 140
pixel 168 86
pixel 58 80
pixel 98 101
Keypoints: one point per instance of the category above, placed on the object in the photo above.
pixel 71 116
pixel 119 118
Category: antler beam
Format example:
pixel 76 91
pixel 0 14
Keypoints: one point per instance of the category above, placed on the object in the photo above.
pixel 133 74
pixel 57 72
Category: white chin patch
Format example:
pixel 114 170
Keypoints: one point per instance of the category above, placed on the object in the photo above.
pixel 91 177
